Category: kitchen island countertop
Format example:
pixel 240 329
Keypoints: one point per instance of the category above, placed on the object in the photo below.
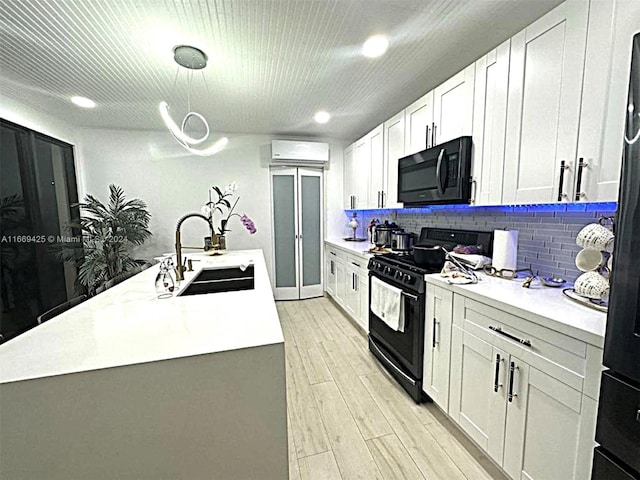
pixel 128 324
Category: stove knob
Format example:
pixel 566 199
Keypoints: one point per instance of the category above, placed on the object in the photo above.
pixel 407 278
pixel 387 270
pixel 398 275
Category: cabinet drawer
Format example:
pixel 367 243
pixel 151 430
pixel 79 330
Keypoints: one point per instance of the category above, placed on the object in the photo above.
pixel 618 429
pixel 358 263
pixel 335 254
pixel 559 355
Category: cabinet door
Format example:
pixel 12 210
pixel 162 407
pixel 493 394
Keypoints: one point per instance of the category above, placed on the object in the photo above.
pixel 543 428
pixel 349 178
pixel 489 125
pixel 606 84
pixel 437 345
pixel 453 106
pixel 341 282
pixel 545 85
pixel 475 402
pixel 418 116
pixel 363 293
pixel 361 171
pixel 376 167
pixel 393 150
pixel 352 299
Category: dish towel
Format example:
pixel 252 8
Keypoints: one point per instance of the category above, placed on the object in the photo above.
pixel 387 304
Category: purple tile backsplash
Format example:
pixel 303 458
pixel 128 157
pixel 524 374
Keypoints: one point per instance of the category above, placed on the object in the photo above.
pixel 546 233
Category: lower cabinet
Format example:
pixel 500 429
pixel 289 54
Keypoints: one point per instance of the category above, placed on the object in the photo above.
pixel 516 404
pixel 347 281
pixel 437 345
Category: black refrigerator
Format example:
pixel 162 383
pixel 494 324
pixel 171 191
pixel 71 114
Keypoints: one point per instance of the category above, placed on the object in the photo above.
pixel 618 427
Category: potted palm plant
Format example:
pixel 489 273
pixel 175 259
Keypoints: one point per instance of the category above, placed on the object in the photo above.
pixel 108 233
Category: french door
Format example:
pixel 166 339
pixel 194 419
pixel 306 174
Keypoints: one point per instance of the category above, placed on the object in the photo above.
pixel 296 200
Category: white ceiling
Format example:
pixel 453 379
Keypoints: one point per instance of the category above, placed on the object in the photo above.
pixel 272 63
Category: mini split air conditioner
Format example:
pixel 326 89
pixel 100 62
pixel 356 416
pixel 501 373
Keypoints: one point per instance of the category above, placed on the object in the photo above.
pixel 290 152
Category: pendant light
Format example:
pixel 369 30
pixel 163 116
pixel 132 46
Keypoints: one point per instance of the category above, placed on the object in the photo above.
pixel 191 58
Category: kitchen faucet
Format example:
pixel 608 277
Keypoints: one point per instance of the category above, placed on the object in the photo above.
pixel 180 268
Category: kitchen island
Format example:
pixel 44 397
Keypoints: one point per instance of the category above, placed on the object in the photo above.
pixel 127 385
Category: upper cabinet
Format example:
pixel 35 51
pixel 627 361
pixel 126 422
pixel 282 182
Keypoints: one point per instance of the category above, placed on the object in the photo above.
pixel 377 186
pixel 418 121
pixel 543 115
pixel 606 84
pixel 489 125
pixel 453 107
pixel 349 178
pixel 394 133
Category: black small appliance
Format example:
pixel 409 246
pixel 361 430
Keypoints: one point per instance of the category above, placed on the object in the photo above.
pixel 437 175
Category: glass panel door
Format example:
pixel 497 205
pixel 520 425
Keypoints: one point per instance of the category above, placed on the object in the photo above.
pixel 284 193
pixel 311 232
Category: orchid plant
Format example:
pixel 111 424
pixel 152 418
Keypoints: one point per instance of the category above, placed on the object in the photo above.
pixel 223 202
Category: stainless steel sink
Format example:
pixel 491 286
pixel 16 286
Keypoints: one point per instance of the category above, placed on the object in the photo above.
pixel 215 280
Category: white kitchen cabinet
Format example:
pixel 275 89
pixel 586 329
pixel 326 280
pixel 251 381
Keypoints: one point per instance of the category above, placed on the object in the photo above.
pixel 350 287
pixel 417 118
pixel 489 125
pixel 543 114
pixel 437 345
pixel 361 172
pixel 453 107
pixel 377 187
pixel 612 24
pixel 363 292
pixel 522 401
pixel 341 282
pixel 349 178
pixel 394 130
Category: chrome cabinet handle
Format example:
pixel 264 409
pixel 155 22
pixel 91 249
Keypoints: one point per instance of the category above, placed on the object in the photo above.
pixel 433 134
pixel 512 374
pixel 382 199
pixel 331 267
pixel 581 165
pixel 526 343
pixel 428 137
pixel 333 253
pixel 356 264
pixel 434 342
pixel 496 376
pixel 563 167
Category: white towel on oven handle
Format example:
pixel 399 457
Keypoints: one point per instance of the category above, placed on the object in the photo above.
pixel 387 304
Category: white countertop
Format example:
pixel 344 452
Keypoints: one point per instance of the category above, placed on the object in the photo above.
pixel 359 248
pixel 127 324
pixel 543 305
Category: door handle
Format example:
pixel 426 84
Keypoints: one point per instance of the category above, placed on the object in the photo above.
pixel 433 134
pixel 434 342
pixel 563 167
pixel 512 374
pixel 496 376
pixel 382 202
pixel 427 137
pixel 526 343
pixel 439 172
pixel 331 268
pixel 474 188
pixel 581 165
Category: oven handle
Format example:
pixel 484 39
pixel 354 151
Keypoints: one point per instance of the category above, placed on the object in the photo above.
pixel 392 365
pixel 412 297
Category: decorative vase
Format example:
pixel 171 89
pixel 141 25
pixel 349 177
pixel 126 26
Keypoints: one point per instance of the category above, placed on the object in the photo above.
pixel 222 242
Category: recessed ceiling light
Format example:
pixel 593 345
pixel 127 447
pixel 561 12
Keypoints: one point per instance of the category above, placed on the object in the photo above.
pixel 83 102
pixel 375 46
pixel 322 117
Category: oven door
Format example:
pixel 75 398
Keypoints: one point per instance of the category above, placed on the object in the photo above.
pixel 401 352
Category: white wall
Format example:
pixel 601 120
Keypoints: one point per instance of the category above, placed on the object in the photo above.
pixel 153 167
pixel 150 165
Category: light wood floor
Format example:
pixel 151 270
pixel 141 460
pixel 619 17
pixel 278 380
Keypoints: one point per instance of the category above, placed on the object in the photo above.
pixel 349 420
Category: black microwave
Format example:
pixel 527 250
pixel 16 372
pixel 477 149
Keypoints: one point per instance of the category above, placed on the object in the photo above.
pixel 437 175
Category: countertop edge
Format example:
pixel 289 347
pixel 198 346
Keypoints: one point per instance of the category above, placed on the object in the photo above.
pixel 586 336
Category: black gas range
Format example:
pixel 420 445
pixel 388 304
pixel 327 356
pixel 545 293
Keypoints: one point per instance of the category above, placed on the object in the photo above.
pixel 401 352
